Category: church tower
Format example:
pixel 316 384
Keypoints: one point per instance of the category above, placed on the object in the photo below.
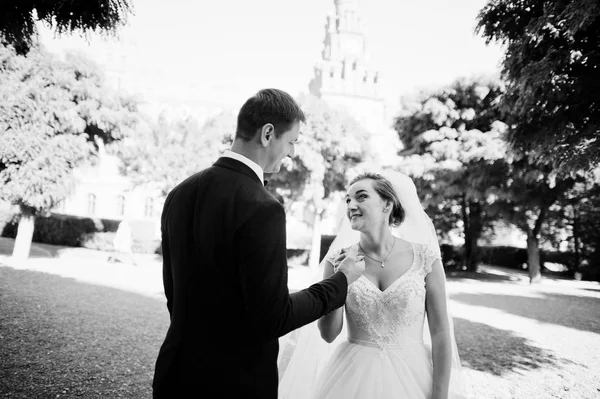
pixel 344 78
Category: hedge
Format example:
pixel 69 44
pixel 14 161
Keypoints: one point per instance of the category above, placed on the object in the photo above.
pixel 93 233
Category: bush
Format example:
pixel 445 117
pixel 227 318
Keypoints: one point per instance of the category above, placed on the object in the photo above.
pixel 298 256
pixel 590 270
pixel 563 258
pixel 505 256
pixel 6 216
pixel 452 257
pixel 102 241
pixel 110 225
pixel 67 230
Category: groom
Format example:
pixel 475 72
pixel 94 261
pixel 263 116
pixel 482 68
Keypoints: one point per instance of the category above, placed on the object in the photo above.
pixel 225 267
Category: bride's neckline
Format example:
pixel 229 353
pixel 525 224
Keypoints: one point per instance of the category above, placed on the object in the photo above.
pixel 412 247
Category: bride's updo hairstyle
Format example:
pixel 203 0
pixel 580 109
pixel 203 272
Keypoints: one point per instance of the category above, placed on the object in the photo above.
pixel 386 191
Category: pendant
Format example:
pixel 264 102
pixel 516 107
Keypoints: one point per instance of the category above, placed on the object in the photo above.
pixel 382 265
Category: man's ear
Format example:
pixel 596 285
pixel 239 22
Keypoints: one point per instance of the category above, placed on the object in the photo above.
pixel 267 133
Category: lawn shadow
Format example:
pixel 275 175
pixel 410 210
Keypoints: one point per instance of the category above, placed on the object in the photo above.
pixel 579 312
pixel 492 350
pixel 499 274
pixel 482 276
pixel 591 289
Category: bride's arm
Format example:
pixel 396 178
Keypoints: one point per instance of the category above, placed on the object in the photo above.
pixel 331 324
pixel 441 344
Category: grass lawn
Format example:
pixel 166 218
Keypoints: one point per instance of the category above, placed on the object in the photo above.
pixel 63 337
pixel 523 341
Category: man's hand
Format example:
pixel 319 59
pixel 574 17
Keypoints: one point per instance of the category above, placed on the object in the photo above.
pixel 352 265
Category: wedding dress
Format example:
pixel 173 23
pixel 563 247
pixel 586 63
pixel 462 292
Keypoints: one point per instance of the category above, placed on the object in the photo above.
pixel 384 350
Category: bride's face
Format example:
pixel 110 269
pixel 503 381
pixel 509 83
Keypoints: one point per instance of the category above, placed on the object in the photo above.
pixel 365 209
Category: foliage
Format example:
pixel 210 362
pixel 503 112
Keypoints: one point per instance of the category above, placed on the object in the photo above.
pixel 330 144
pixel 18 18
pixel 575 218
pixel 552 69
pixel 527 199
pixel 167 151
pixel 455 149
pixel 53 115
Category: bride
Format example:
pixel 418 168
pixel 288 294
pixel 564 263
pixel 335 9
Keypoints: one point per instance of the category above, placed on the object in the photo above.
pixel 399 339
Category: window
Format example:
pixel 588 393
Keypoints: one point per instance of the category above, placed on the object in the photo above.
pixel 149 210
pixel 120 205
pixel 91 206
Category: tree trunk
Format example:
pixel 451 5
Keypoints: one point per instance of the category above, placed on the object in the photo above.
pixel 467 229
pixel 24 234
pixel 576 243
pixel 473 226
pixel 533 247
pixel 533 257
pixel 315 247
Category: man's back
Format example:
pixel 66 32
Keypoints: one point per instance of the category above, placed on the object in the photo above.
pixel 210 337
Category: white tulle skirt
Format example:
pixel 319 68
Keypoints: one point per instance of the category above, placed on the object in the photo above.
pixel 355 369
pixel 363 370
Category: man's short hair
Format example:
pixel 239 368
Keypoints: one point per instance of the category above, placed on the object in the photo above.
pixel 268 106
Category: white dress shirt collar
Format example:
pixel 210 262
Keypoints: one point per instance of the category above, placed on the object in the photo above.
pixel 248 162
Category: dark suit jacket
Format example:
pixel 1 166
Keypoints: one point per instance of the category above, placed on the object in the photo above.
pixel 225 279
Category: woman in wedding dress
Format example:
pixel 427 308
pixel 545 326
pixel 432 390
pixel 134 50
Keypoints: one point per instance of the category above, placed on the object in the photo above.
pixel 399 339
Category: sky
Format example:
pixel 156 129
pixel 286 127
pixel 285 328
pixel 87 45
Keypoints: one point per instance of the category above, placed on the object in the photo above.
pixel 206 54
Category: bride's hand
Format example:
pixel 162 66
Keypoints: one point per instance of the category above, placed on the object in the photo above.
pixel 339 258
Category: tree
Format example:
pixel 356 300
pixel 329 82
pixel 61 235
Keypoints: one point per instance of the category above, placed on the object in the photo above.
pixel 455 150
pixel 552 69
pixel 18 18
pixel 574 218
pixel 168 150
pixel 531 190
pixel 53 117
pixel 330 145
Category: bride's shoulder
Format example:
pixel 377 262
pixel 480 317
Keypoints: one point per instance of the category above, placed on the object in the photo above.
pixel 426 256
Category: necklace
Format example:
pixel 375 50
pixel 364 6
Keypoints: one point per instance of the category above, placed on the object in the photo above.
pixel 377 260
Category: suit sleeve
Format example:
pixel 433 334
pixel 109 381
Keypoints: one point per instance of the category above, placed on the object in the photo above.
pixel 271 310
pixel 166 256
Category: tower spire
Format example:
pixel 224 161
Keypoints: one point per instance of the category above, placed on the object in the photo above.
pixel 343 72
pixel 344 79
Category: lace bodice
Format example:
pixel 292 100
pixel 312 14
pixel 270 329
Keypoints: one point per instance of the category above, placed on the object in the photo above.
pixel 391 316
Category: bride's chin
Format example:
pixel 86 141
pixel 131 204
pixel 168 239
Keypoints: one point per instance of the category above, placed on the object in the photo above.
pixel 355 225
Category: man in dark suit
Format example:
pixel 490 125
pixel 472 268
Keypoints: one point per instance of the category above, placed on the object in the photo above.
pixel 225 266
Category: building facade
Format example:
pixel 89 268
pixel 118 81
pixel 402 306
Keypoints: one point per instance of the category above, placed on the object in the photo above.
pixel 102 191
pixel 344 78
